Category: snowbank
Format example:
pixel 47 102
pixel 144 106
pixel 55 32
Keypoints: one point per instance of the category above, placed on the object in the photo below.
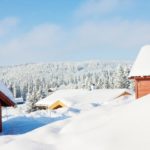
pixel 125 127
pixel 92 127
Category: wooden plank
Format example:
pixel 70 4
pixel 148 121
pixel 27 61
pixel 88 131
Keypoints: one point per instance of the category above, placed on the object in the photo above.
pixel 139 77
pixel 136 89
pixel 142 87
pixel 0 118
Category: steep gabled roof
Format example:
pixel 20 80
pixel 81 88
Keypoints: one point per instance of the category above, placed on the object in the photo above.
pixel 141 66
pixel 6 97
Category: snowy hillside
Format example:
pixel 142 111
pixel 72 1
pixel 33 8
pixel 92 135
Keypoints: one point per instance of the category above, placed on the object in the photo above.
pixel 37 79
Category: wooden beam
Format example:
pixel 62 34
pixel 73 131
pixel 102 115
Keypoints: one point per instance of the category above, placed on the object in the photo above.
pixel 139 77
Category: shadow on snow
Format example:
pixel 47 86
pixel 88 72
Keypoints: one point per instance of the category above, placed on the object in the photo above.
pixel 24 124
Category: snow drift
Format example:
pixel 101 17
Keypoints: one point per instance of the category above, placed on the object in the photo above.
pixel 106 128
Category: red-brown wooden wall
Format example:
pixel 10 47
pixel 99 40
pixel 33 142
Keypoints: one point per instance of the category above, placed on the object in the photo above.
pixel 142 86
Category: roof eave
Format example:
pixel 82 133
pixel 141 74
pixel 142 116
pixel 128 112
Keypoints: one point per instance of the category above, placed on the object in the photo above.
pixel 5 100
pixel 139 77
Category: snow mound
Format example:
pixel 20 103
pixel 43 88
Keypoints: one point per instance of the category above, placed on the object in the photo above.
pixel 141 65
pixel 25 144
pixel 124 128
pixel 81 97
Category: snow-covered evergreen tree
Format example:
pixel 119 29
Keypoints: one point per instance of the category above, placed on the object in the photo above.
pixel 121 77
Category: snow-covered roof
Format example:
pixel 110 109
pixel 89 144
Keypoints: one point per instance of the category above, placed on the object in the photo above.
pixel 19 100
pixel 141 65
pixel 80 96
pixel 6 91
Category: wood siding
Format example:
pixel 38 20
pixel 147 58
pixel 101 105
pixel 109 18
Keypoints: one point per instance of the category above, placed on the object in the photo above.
pixel 142 87
pixel 56 105
pixel 0 118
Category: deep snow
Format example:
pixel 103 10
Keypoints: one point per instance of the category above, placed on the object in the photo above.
pixel 121 124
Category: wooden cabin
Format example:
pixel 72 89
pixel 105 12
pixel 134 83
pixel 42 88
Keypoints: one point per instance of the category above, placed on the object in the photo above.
pixel 19 100
pixel 5 100
pixel 57 104
pixel 70 97
pixel 140 73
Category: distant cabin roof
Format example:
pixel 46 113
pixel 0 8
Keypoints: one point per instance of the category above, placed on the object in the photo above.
pixel 6 97
pixel 19 100
pixel 141 66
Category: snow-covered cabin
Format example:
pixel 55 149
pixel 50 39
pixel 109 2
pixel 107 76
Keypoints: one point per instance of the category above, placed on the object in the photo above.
pixel 19 100
pixel 140 72
pixel 6 100
pixel 73 97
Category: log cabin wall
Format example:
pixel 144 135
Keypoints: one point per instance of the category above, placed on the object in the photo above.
pixel 142 87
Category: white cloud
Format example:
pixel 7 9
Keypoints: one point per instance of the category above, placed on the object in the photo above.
pixel 117 34
pixel 7 25
pixel 39 43
pixel 91 8
pixel 46 42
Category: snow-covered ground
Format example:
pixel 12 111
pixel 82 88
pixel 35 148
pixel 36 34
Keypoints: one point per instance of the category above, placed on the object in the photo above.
pixel 120 124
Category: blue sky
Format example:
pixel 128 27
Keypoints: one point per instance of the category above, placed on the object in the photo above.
pixel 72 30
